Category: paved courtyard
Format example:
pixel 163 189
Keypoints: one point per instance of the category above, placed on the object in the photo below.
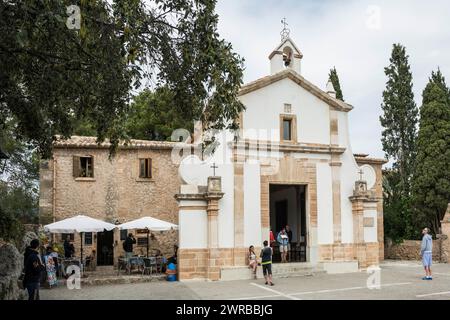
pixel 399 281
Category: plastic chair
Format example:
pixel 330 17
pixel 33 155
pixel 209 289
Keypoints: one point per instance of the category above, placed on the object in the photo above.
pixel 149 263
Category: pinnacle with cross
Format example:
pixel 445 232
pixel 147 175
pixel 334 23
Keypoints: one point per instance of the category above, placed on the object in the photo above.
pixel 214 167
pixel 285 32
pixel 361 172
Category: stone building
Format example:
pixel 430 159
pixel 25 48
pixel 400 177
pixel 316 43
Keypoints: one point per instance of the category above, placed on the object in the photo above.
pixel 140 180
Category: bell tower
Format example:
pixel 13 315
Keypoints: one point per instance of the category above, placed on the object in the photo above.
pixel 286 54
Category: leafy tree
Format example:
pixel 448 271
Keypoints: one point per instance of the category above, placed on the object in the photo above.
pixel 334 78
pixel 431 183
pixel 399 117
pixel 153 116
pixel 53 78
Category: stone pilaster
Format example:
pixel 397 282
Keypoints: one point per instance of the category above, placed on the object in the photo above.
pixel 445 237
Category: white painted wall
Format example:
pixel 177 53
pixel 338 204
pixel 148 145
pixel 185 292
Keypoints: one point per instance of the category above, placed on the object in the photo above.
pixel 349 173
pixel 192 229
pixel 324 204
pixel 264 106
pixel 252 205
pixel 370 233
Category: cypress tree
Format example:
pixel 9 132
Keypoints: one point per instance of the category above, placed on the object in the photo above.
pixel 334 78
pixel 399 117
pixel 431 181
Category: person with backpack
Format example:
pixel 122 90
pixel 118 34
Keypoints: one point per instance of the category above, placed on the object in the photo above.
pixel 266 262
pixel 33 270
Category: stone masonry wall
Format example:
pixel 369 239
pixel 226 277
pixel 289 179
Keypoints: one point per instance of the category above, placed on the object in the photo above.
pixel 410 250
pixel 115 194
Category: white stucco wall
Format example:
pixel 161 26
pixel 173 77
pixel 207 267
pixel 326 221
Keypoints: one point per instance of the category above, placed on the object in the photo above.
pixel 370 233
pixel 252 205
pixel 265 105
pixel 188 221
pixel 349 173
pixel 324 204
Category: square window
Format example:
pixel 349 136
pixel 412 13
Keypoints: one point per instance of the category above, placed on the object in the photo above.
pixel 88 238
pixel 83 167
pixel 287 108
pixel 145 168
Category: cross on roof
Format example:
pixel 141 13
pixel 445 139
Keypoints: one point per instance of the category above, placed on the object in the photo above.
pixel 285 32
pixel 214 167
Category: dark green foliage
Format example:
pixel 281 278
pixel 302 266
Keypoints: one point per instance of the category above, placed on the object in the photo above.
pixel 399 117
pixel 431 183
pixel 334 78
pixel 55 80
pixel 153 116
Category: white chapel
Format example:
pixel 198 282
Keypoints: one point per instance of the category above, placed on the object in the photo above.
pixel 291 163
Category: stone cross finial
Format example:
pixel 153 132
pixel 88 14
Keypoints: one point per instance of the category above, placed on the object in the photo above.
pixel 361 172
pixel 214 167
pixel 285 32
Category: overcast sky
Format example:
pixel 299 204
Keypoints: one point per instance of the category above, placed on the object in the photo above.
pixel 355 36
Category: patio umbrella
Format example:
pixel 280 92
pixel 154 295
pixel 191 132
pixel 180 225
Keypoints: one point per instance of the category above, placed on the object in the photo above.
pixel 79 224
pixel 149 223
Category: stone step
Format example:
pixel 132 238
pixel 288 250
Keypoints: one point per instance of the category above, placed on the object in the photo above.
pixel 285 270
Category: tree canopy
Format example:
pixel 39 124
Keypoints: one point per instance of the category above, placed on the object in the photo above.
pixel 431 183
pixel 54 77
pixel 334 78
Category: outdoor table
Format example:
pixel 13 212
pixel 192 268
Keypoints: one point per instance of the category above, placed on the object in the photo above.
pixel 133 261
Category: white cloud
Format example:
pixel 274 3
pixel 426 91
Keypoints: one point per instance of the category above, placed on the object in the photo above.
pixel 350 36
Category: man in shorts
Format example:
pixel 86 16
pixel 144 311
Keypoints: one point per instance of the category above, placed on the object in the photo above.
pixel 426 251
pixel 266 262
pixel 283 241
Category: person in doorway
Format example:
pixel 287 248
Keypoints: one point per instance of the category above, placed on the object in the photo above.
pixel 283 241
pixel 266 262
pixel 33 269
pixel 426 251
pixel 289 234
pixel 271 238
pixel 252 262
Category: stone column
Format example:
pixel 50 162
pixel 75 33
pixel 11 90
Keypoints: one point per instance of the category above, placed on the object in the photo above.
pixel 445 237
pixel 212 197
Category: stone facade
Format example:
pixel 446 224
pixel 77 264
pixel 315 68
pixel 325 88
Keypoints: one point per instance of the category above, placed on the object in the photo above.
pixel 115 193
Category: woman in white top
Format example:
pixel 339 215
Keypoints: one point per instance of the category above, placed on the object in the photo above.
pixel 252 262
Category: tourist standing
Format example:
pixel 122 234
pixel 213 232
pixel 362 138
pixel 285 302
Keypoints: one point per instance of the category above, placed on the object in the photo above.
pixel 283 241
pixel 128 246
pixel 252 262
pixel 289 234
pixel 426 251
pixel 33 268
pixel 271 238
pixel 266 262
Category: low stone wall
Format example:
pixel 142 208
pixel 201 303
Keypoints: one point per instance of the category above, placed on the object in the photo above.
pixel 410 250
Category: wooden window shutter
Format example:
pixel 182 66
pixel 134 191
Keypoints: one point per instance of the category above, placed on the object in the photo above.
pixel 141 168
pixel 149 168
pixel 76 166
pixel 92 166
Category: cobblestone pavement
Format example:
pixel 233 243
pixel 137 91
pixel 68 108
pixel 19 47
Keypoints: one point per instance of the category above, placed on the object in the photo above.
pixel 398 280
